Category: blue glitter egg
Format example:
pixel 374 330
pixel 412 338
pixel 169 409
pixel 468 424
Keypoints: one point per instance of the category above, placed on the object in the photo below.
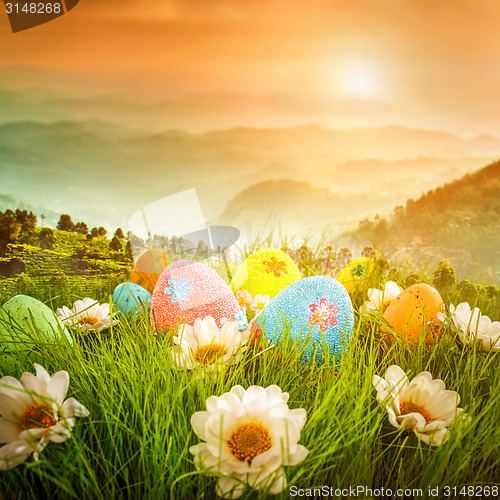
pixel 131 299
pixel 315 310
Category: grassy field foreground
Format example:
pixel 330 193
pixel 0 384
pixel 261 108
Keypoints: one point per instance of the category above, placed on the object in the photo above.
pixel 135 442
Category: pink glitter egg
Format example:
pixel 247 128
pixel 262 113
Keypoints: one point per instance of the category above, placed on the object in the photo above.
pixel 187 290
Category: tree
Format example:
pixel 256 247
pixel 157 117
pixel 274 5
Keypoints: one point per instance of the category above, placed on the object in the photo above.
pixel 492 292
pixel 102 231
pixel 202 250
pixel 27 233
pixel 9 230
pixel 65 223
pixel 468 292
pixel 173 244
pixel 46 238
pixel 23 216
pixel 137 244
pixel 128 251
pixel 444 277
pixel 160 241
pixel 381 230
pixel 81 228
pixel 115 244
pixel 94 232
pixel 119 233
pixel 399 214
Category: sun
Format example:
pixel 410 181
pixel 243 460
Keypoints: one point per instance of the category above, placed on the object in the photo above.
pixel 360 79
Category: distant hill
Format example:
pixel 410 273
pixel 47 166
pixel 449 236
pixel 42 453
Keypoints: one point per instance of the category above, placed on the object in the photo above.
pixel 103 172
pixel 297 207
pixel 51 218
pixel 460 221
pixel 389 143
pixel 280 203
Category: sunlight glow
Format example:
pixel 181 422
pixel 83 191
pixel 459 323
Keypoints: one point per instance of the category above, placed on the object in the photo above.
pixel 360 78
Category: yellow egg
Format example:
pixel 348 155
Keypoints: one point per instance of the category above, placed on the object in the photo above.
pixel 266 272
pixel 356 273
pixel 413 313
pixel 148 268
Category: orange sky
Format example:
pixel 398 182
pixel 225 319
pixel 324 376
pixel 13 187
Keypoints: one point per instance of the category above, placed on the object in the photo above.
pixel 341 63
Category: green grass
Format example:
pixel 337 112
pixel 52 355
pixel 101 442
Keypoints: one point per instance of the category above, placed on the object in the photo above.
pixel 135 442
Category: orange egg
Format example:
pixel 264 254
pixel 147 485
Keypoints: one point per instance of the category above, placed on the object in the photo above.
pixel 413 313
pixel 148 268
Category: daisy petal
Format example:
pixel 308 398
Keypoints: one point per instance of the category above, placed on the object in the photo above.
pixel 424 406
pixel 72 408
pixel 231 421
pixel 58 386
pixel 228 487
pixel 13 454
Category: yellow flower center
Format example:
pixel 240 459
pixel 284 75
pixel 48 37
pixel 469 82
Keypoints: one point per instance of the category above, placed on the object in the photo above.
pixel 406 407
pixel 249 440
pixel 35 417
pixel 89 320
pixel 242 301
pixel 209 354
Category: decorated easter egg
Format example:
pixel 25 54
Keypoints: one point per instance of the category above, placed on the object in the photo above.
pixel 266 272
pixel 413 313
pixel 148 268
pixel 187 290
pixel 25 322
pixel 316 308
pixel 131 299
pixel 356 273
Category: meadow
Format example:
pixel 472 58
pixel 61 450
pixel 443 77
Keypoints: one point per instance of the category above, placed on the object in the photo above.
pixel 135 442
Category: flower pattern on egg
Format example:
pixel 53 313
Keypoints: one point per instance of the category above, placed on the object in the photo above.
pixel 323 313
pixel 275 266
pixel 178 289
pixel 241 318
pixel 358 271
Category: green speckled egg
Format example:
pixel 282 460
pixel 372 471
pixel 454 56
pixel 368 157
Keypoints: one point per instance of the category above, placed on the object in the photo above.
pixel 266 272
pixel 24 321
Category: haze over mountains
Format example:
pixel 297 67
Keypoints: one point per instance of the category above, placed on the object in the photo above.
pixel 101 172
pixel 458 221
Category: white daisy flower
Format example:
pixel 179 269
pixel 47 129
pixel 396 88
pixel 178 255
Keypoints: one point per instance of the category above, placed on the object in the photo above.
pixel 255 304
pixel 87 315
pixel 422 406
pixel 379 300
pixel 244 298
pixel 248 436
pixel 205 344
pixel 472 327
pixel 258 303
pixel 33 413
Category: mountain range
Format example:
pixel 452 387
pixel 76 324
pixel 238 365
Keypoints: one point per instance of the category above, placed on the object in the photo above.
pixel 458 221
pixel 101 172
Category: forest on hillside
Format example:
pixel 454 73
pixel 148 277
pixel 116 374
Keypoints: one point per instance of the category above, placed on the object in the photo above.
pixel 458 220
